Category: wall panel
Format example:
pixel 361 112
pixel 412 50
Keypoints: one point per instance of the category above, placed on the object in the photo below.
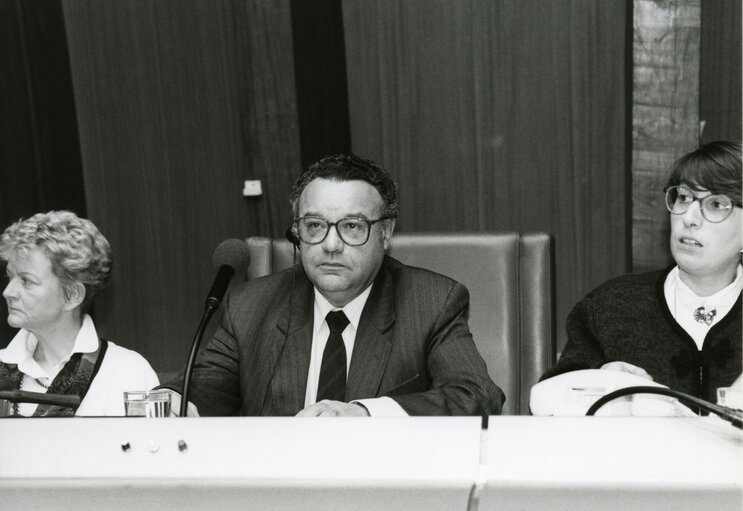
pixel 665 116
pixel 178 102
pixel 720 91
pixel 498 115
pixel 40 164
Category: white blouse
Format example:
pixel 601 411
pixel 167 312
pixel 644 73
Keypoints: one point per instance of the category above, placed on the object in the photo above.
pixel 690 310
pixel 121 370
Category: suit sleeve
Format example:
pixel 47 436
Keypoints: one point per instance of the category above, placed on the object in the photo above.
pixel 215 386
pixel 583 350
pixel 458 379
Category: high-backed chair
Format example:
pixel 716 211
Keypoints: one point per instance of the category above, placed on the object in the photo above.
pixel 510 277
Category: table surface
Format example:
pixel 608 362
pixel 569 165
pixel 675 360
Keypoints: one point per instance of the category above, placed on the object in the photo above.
pixel 519 462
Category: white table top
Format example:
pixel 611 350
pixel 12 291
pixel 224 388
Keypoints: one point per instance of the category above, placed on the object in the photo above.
pixel 348 463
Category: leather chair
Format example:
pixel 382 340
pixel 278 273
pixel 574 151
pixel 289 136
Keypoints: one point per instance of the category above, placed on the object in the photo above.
pixel 510 277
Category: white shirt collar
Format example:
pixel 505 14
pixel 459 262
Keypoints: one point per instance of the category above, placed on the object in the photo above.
pixel 21 349
pixel 352 309
pixel 683 302
pixel 724 298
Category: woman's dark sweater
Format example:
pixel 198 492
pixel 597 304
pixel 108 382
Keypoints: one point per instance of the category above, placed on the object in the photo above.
pixel 627 319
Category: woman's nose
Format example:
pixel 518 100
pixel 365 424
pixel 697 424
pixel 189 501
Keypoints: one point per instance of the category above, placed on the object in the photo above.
pixel 693 216
pixel 10 290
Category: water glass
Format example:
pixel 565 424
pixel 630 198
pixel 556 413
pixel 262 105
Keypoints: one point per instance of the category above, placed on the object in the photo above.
pixel 732 397
pixel 147 403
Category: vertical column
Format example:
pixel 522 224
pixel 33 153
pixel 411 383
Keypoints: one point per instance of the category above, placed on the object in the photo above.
pixel 665 115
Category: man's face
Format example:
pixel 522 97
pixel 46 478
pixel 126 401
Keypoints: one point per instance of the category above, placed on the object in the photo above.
pixel 339 271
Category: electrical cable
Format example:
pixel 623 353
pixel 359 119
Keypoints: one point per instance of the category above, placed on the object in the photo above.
pixel 735 417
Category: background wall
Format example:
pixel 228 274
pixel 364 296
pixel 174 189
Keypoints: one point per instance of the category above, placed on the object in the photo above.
pixel 665 116
pixel 492 115
pixel 720 69
pixel 178 103
pixel 40 161
pixel 501 115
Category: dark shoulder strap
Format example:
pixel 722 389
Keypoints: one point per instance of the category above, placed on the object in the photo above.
pixel 10 376
pixel 75 378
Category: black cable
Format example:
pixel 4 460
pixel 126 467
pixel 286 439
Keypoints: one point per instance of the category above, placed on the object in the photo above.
pixel 735 417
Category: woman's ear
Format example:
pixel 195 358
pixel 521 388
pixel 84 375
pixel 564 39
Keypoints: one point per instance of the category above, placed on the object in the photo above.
pixel 74 296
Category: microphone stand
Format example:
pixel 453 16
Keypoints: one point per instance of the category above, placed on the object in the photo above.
pixel 230 254
pixel 212 304
pixel 24 396
pixel 733 416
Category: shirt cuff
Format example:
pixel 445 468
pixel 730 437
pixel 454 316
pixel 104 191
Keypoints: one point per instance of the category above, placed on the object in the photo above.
pixel 382 407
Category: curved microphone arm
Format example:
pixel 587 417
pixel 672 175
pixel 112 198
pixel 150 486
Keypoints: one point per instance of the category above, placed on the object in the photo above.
pixel 211 307
pixel 230 257
pixel 735 417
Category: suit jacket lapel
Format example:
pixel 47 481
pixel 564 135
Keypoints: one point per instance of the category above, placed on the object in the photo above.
pixel 291 356
pixel 373 340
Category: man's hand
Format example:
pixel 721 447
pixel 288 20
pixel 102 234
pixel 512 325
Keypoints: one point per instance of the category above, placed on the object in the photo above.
pixel 627 368
pixel 175 406
pixel 327 408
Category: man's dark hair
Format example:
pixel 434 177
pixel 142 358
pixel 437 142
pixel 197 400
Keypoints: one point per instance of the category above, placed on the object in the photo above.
pixel 715 167
pixel 349 167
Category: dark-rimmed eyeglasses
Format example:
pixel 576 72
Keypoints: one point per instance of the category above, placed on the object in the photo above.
pixel 714 208
pixel 352 231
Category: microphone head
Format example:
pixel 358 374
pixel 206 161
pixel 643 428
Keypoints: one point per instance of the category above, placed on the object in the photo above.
pixel 233 253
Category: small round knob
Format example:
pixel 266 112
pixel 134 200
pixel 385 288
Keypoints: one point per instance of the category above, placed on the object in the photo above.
pixel 182 445
pixel 153 446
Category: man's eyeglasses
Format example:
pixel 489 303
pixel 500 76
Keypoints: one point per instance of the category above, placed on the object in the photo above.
pixel 353 231
pixel 715 208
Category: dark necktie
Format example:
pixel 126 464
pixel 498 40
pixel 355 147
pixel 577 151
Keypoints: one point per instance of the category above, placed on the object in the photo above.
pixel 332 384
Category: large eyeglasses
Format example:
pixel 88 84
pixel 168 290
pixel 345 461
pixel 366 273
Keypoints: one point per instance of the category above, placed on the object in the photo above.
pixel 715 208
pixel 353 231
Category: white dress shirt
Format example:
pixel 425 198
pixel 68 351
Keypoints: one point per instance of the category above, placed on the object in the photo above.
pixel 377 407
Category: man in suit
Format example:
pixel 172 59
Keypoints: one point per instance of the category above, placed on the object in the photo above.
pixel 350 331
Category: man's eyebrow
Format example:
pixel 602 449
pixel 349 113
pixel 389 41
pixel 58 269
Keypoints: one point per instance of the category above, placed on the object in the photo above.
pixel 349 215
pixel 357 215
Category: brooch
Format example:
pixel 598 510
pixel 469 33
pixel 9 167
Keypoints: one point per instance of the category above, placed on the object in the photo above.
pixel 705 314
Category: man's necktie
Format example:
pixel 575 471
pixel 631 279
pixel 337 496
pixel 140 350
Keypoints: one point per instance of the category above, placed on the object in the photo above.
pixel 332 384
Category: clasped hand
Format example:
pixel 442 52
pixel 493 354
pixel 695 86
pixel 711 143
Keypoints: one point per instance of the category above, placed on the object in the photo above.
pixel 327 408
pixel 627 368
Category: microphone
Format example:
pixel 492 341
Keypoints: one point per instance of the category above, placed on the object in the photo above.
pixel 230 257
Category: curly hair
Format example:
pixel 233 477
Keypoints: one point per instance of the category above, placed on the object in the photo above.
pixel 715 166
pixel 348 167
pixel 78 252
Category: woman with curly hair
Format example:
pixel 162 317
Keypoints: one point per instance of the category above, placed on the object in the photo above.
pixel 56 264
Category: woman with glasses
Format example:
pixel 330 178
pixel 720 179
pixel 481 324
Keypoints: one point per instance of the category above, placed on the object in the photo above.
pixel 680 326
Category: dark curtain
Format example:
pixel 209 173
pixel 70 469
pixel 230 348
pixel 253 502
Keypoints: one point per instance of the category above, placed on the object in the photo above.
pixel 501 115
pixel 720 90
pixel 493 115
pixel 179 102
pixel 40 166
